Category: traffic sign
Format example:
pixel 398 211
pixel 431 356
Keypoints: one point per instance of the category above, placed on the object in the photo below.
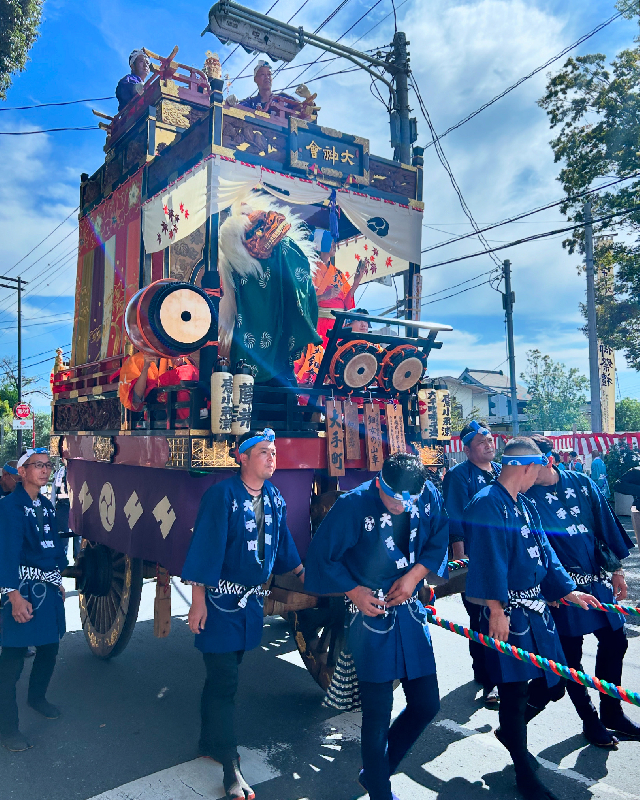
pixel 22 411
pixel 22 424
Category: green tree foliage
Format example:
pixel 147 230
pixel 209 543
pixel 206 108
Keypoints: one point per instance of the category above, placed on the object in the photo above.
pixel 19 22
pixel 628 414
pixel 458 419
pixel 557 394
pixel 619 460
pixel 595 109
pixel 10 437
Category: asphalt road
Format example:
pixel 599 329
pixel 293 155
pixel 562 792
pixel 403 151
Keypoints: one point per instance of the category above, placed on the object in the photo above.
pixel 129 727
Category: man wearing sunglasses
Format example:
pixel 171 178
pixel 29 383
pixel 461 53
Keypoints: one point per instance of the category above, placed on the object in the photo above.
pixel 31 559
pixel 240 538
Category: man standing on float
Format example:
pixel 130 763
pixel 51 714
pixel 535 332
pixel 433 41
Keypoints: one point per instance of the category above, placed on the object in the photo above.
pixel 376 546
pixel 239 539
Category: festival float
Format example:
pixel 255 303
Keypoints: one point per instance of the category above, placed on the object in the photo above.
pixel 201 259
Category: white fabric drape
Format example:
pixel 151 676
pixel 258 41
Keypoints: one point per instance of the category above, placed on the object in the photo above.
pixel 393 227
pixel 219 182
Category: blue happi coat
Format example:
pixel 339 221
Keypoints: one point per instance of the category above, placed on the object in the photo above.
pixel 28 548
pixel 572 512
pixel 510 557
pixel 354 546
pixel 224 551
pixel 459 486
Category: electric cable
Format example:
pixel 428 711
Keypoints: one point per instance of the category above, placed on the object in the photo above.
pixel 537 210
pixel 63 103
pixel 534 238
pixel 531 74
pixel 468 289
pixel 45 239
pixel 50 130
pixel 445 163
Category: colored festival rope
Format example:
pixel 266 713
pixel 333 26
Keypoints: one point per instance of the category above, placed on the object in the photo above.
pixel 538 661
pixel 632 611
pixel 611 608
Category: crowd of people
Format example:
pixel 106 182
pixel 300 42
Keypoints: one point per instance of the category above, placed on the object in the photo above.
pixel 544 550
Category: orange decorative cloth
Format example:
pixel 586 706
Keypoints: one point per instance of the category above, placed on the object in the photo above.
pixel 157 377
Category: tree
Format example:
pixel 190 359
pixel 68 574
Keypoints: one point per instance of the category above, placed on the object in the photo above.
pixel 619 460
pixel 628 414
pixel 10 439
pixel 557 394
pixel 19 22
pixel 597 112
pixel 458 420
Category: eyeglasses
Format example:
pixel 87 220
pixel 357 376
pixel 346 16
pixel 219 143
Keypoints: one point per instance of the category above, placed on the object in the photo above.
pixel 40 465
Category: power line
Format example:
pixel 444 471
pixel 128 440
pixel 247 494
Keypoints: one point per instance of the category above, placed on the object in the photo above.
pixel 64 103
pixel 45 239
pixel 35 324
pixel 35 355
pixel 445 163
pixel 49 130
pixel 531 74
pixel 533 238
pixel 529 213
pixel 468 289
pixel 456 285
pixel 45 361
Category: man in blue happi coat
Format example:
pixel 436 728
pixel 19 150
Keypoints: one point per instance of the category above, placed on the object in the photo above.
pixel 576 517
pixel 131 85
pixel 31 558
pixel 514 573
pixel 377 545
pixel 240 538
pixel 460 484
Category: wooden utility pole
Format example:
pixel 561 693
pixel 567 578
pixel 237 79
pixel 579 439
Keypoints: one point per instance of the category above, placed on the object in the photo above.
pixel 508 299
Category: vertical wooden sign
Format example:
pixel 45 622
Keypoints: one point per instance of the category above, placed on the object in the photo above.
pixel 428 410
pixel 395 428
pixel 335 438
pixel 162 605
pixel 373 436
pixel 352 431
pixel 444 414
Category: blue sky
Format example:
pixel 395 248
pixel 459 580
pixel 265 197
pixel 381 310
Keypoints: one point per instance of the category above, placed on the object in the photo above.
pixel 462 54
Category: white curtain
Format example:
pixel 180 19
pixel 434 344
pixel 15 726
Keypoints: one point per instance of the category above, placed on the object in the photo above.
pixel 219 182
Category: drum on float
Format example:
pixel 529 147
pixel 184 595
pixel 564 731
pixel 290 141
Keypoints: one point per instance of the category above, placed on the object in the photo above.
pixel 355 364
pixel 402 368
pixel 169 318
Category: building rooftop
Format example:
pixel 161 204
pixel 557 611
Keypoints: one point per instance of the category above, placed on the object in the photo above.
pixel 495 380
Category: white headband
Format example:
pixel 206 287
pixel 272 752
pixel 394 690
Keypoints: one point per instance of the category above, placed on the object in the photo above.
pixel 26 456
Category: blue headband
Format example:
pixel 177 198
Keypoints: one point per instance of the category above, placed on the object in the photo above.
pixel 476 429
pixel 407 499
pixel 8 468
pixel 523 461
pixel 267 435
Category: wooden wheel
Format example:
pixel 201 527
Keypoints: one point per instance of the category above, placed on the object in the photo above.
pixel 109 601
pixel 319 635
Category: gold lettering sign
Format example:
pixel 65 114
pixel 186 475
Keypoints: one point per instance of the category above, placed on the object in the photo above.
pixel 335 438
pixel 428 410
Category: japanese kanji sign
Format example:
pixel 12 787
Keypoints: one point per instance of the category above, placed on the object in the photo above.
pixel 373 437
pixel 395 428
pixel 428 410
pixel 352 431
pixel 335 438
pixel 607 372
pixel 443 400
pixel 324 151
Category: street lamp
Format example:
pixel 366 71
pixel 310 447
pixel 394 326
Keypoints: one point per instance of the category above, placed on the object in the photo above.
pixel 258 33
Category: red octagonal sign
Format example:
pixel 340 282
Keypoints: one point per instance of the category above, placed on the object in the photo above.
pixel 22 410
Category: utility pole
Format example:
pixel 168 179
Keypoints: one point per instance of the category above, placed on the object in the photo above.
pixel 19 283
pixel 402 148
pixel 594 373
pixel 508 299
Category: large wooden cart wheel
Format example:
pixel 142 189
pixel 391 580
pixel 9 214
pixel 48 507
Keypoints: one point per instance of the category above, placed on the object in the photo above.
pixel 319 635
pixel 110 591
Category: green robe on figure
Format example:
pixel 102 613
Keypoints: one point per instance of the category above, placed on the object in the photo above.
pixel 277 313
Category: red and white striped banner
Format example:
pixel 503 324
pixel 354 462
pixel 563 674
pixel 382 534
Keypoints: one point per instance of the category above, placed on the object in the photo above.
pixel 582 443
